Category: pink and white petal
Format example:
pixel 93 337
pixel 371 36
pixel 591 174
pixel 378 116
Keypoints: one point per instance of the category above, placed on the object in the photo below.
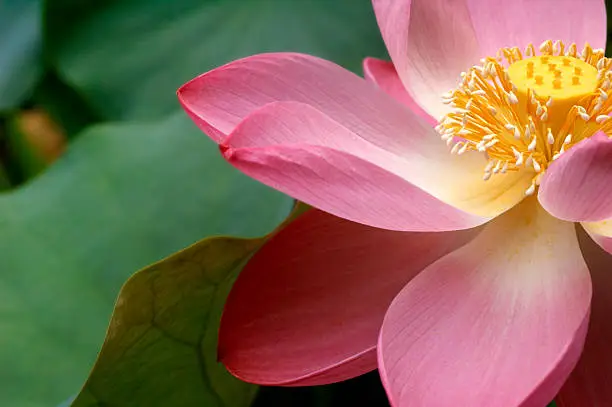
pixel 578 186
pixel 589 383
pixel 383 74
pixel 430 42
pixel 519 22
pixel 499 322
pixel 307 308
pixel 302 152
pixel 220 99
pixel 349 187
pixel 601 233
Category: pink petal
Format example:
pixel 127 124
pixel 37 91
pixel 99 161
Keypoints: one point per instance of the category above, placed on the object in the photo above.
pixel 338 171
pixel 430 42
pixel 349 187
pixel 578 186
pixel 384 75
pixel 499 322
pixel 307 308
pixel 589 383
pixel 519 22
pixel 601 233
pixel 220 99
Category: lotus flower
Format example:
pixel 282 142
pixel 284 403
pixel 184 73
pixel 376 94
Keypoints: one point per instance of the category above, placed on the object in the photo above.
pixel 444 248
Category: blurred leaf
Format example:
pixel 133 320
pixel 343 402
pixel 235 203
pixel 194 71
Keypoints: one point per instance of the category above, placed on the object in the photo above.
pixel 33 141
pixel 5 182
pixel 63 104
pixel 20 47
pixel 67 403
pixel 160 348
pixel 123 196
pixel 129 57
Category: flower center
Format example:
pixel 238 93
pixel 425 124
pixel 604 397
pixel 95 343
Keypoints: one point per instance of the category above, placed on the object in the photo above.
pixel 523 111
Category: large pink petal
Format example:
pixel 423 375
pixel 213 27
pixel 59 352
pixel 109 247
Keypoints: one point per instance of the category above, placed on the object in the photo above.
pixel 302 152
pixel 499 322
pixel 384 75
pixel 578 186
pixel 220 99
pixel 430 42
pixel 589 383
pixel 350 187
pixel 308 306
pixel 519 22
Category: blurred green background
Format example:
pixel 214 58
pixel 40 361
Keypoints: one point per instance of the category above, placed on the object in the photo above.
pixel 102 174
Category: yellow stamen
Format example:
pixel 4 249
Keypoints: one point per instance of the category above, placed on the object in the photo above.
pixel 524 112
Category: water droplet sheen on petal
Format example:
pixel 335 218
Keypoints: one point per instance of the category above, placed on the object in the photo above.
pixel 524 110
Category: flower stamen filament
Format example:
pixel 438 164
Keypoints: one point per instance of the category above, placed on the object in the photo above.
pixel 524 110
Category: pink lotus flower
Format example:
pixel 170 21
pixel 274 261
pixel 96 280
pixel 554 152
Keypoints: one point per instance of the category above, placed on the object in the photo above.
pixel 492 312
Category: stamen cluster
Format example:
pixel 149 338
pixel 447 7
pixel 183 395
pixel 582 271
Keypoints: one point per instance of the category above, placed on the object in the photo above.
pixel 519 128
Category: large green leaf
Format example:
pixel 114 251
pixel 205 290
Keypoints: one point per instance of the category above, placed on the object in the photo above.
pixel 122 197
pixel 161 345
pixel 129 56
pixel 20 48
pixel 160 349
